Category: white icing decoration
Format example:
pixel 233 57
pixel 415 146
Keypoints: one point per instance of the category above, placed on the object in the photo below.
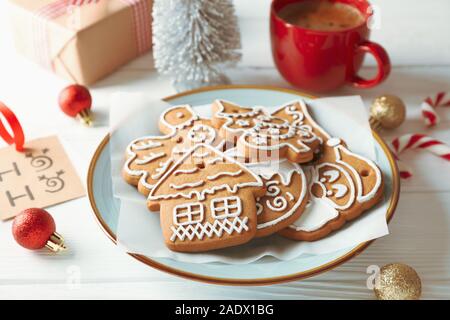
pixel 332 175
pixel 291 197
pixel 333 142
pixel 187 185
pixel 202 134
pixel 221 174
pixel 297 115
pixel 274 131
pixel 243 123
pixel 163 166
pixel 148 145
pixel 192 213
pixel 277 204
pixel 259 207
pixel 217 228
pixel 248 138
pixel 315 216
pixel 272 189
pixel 226 207
pixel 201 155
pixel 180 115
pixel 188 218
pixel 200 194
pixel 341 190
pixel 180 126
pixel 214 160
pixel 186 171
pixel 150 157
pixel 264 118
pixel 259 141
pixel 328 193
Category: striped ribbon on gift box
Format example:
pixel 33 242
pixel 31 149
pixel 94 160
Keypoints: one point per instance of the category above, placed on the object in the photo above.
pixel 141 22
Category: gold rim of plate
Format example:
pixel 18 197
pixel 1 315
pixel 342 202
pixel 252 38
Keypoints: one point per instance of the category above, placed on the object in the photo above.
pixel 257 281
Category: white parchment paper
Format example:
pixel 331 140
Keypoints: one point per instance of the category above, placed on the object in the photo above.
pixel 134 115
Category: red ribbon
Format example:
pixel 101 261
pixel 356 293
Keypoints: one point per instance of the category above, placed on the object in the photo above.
pixel 18 138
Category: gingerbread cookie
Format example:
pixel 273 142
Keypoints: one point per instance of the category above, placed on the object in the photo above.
pixel 148 158
pixel 343 186
pixel 263 136
pixel 206 201
pixel 286 193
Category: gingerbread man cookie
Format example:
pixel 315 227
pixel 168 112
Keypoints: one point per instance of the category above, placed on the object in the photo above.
pixel 286 193
pixel 343 186
pixel 148 158
pixel 263 136
pixel 206 201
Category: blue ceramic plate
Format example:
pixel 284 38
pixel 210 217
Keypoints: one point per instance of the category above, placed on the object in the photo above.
pixel 106 207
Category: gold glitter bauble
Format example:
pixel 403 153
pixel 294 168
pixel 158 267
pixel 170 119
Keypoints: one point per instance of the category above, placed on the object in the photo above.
pixel 387 111
pixel 398 282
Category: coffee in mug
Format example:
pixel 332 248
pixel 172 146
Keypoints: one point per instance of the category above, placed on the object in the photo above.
pixel 322 15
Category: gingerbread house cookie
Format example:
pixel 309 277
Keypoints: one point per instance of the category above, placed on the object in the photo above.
pixel 206 201
pixel 148 158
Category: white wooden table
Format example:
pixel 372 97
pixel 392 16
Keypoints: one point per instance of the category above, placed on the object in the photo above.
pixel 95 268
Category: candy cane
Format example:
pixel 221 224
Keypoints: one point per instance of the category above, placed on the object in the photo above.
pixel 418 141
pixel 441 99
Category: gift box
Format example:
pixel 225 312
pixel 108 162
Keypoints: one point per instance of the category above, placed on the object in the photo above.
pixel 81 40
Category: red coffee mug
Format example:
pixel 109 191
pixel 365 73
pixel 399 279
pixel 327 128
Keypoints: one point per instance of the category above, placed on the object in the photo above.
pixel 320 61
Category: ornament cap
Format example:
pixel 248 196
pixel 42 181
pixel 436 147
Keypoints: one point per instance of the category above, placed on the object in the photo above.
pixel 375 124
pixel 56 243
pixel 85 117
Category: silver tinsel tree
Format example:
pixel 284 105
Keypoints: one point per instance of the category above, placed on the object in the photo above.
pixel 194 39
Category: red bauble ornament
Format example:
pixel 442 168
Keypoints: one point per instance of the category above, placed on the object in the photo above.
pixel 35 229
pixel 76 101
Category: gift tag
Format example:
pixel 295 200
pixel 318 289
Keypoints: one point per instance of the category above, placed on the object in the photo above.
pixel 40 176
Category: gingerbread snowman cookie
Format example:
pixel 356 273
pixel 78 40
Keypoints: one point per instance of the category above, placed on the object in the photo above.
pixel 207 201
pixel 343 186
pixel 149 157
pixel 262 136
pixel 286 193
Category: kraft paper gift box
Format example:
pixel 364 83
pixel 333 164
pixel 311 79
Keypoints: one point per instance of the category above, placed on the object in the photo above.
pixel 81 40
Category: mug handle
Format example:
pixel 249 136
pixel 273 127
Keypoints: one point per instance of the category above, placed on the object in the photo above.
pixel 383 63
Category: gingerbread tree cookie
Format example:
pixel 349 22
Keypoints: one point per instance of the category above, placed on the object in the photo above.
pixel 206 201
pixel 148 158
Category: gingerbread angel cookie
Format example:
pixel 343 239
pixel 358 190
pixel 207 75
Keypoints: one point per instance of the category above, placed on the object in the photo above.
pixel 262 136
pixel 286 193
pixel 207 201
pixel 343 185
pixel 148 158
